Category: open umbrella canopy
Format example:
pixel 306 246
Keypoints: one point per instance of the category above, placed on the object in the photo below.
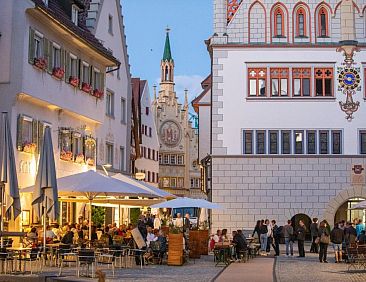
pixel 187 203
pixel 143 185
pixel 8 174
pixel 45 189
pixel 92 184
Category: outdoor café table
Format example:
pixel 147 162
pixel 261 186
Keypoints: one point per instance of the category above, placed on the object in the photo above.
pixel 20 251
pixel 223 253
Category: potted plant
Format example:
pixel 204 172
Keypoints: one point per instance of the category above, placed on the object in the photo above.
pixel 74 81
pixel 86 87
pixel 58 72
pixel 175 246
pixel 29 147
pixel 66 155
pixel 40 63
pixel 97 93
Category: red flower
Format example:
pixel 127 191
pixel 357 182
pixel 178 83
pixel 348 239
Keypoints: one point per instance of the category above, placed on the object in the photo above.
pixel 74 81
pixel 97 93
pixel 40 63
pixel 58 72
pixel 86 87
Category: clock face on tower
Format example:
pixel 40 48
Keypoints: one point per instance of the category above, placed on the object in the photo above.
pixel 170 133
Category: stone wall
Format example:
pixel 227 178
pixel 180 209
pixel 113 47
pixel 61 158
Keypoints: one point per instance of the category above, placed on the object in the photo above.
pixel 259 187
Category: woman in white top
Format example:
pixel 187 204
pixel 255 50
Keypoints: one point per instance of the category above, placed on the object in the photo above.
pixel 179 221
pixel 157 222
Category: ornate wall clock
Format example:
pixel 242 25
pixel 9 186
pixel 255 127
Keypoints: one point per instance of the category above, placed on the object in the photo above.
pixel 170 133
pixel 349 78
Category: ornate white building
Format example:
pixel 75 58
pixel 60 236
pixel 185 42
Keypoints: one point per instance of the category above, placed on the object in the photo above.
pixel 179 171
pixel 281 145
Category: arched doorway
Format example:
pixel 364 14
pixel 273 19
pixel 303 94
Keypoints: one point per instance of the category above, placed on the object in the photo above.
pixel 346 213
pixel 307 221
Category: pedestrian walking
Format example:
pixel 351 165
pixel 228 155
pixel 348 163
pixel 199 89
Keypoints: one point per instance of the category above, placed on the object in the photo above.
pixel 300 234
pixel 350 237
pixel 314 229
pixel 256 229
pixel 337 237
pixel 269 236
pixel 324 240
pixel 263 236
pixel 288 232
pixel 276 232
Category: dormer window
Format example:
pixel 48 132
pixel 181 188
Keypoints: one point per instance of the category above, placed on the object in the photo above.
pixel 75 14
pixel 45 2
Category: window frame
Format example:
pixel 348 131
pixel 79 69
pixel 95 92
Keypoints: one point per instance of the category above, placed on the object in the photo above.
pixel 279 74
pixel 301 11
pixel 360 134
pixel 122 158
pixel 110 24
pixel 109 145
pixel 289 142
pixel 38 48
pixel 323 77
pixel 123 110
pixel 320 132
pixel 109 103
pixel 302 142
pixel 85 73
pixel 278 12
pixel 56 55
pixel 75 14
pixel 340 142
pixel 270 132
pixel 251 151
pixel 256 75
pixel 323 11
pixel 264 132
pixel 180 157
pixel 301 75
pixel 315 142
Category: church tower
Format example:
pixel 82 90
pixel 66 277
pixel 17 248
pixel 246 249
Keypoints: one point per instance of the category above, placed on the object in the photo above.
pixel 167 67
pixel 179 172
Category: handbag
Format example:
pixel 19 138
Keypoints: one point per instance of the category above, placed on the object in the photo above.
pixel 317 240
pixel 324 239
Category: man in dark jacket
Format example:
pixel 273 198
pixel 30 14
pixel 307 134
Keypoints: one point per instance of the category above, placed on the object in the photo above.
pixel 276 237
pixel 301 232
pixel 337 237
pixel 141 225
pixel 68 237
pixel 240 242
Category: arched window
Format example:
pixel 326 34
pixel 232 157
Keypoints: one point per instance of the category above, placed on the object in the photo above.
pixel 300 23
pixel 166 73
pixel 323 22
pixel 279 30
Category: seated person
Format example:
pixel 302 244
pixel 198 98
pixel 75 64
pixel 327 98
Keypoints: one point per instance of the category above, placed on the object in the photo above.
pixel 106 236
pixel 163 244
pixel 150 236
pixel 362 238
pixel 32 237
pixel 50 235
pixel 68 238
pixel 94 235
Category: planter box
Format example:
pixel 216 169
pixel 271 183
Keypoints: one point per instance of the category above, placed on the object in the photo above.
pixel 74 81
pixel 194 244
pixel 175 249
pixel 203 235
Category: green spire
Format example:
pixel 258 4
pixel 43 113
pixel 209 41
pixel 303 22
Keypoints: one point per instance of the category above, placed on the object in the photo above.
pixel 167 52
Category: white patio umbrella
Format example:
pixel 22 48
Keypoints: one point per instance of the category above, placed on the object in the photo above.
pixel 8 175
pixel 92 184
pixel 187 203
pixel 143 185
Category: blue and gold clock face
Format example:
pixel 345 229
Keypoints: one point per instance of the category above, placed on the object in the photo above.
pixel 349 78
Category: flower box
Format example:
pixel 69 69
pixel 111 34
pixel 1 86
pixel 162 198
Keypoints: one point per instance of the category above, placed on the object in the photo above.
pixel 40 63
pixel 58 72
pixel 97 93
pixel 175 249
pixel 29 148
pixel 74 81
pixel 80 159
pixel 66 156
pixel 86 87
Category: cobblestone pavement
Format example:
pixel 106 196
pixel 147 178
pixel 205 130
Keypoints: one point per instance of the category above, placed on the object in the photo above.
pixel 200 270
pixel 290 269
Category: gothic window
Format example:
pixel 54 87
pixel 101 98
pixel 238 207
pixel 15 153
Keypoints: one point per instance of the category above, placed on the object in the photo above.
pixel 166 73
pixel 301 81
pixel 279 81
pixel 311 142
pixel 286 142
pixel 273 142
pixel 323 81
pixel 323 142
pixel 336 142
pixel 300 22
pixel 279 25
pixel 257 82
pixel 323 23
pixel 248 142
pixel 260 142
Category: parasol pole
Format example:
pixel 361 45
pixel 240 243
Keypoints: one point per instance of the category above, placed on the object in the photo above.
pixel 90 218
pixel 44 228
pixel 2 212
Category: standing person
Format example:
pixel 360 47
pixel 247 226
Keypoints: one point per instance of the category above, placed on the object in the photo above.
pixel 314 229
pixel 337 237
pixel 179 221
pixel 324 239
pixel 142 227
pixel 301 232
pixel 276 237
pixel 288 232
pixel 186 223
pixel 263 230
pixel 269 236
pixel 157 222
pixel 359 227
pixel 350 236
pixel 256 229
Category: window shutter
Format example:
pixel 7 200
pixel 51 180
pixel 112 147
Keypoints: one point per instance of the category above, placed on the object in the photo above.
pixel 35 134
pixel 31 46
pixel 77 72
pixel 102 80
pixel 62 60
pixel 19 133
pixel 40 135
pixel 67 65
pixel 80 72
pixel 92 76
pixel 47 45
